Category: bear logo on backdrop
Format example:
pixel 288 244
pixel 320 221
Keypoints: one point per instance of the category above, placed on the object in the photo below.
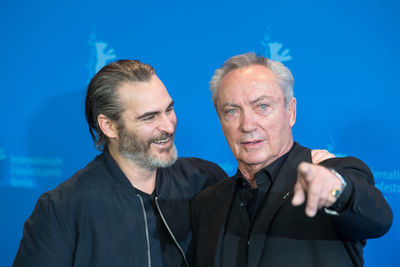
pixel 100 55
pixel 272 50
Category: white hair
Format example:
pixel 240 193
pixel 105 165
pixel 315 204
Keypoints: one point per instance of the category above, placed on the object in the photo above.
pixel 283 74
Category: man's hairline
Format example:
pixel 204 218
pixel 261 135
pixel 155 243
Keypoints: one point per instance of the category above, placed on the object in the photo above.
pixel 216 106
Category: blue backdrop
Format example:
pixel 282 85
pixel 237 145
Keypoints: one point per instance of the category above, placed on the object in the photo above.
pixel 344 56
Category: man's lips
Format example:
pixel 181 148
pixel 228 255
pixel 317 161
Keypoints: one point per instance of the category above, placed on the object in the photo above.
pixel 163 142
pixel 251 143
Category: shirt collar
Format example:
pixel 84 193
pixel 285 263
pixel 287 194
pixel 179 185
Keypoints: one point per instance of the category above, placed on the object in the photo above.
pixel 269 172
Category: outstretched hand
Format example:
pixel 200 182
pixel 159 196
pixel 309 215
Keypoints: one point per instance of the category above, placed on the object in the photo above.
pixel 314 186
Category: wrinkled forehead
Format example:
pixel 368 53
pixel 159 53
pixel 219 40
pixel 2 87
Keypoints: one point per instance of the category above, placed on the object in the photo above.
pixel 249 84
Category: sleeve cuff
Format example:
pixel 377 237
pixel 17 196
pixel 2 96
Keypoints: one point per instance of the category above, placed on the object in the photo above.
pixel 342 202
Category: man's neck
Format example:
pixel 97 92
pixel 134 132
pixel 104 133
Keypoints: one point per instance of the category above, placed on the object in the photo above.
pixel 140 178
pixel 249 171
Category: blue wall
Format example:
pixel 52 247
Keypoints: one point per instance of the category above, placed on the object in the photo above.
pixel 344 56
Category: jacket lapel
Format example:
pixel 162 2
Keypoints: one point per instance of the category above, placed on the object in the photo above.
pixel 217 222
pixel 279 193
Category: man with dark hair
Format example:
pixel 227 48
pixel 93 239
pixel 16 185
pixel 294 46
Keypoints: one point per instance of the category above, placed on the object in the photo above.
pixel 130 205
pixel 280 209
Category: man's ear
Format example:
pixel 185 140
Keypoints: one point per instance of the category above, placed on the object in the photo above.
pixel 107 126
pixel 292 112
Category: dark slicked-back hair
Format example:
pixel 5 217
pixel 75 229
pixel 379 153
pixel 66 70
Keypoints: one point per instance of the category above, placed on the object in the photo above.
pixel 102 94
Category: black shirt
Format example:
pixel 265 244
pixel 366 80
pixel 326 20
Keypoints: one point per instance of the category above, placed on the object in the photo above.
pixel 246 205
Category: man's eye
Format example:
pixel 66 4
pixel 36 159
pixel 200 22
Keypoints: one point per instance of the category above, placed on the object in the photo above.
pixel 262 106
pixel 230 112
pixel 148 118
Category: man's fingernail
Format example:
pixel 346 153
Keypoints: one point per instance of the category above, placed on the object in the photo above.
pixel 310 212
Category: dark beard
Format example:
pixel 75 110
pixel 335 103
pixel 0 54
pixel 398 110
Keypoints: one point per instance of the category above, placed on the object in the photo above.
pixel 132 147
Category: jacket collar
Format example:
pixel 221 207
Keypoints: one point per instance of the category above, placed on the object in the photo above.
pixel 120 182
pixel 280 192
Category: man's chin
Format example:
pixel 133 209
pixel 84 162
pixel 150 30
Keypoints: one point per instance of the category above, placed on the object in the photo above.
pixel 255 161
pixel 166 157
pixel 161 152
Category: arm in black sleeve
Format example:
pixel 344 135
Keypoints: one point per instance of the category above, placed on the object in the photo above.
pixel 45 241
pixel 215 175
pixel 364 212
pixel 212 171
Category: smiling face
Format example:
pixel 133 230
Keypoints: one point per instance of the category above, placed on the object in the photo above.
pixel 146 135
pixel 254 119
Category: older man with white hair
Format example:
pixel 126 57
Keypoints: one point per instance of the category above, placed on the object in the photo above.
pixel 280 209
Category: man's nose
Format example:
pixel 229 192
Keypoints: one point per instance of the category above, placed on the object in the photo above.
pixel 167 123
pixel 248 122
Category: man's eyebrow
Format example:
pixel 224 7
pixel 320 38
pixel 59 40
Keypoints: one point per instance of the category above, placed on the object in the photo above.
pixel 148 114
pixel 153 113
pixel 230 105
pixel 260 99
pixel 170 105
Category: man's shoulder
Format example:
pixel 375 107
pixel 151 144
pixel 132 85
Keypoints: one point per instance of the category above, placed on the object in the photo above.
pixel 191 167
pixel 217 191
pixel 302 151
pixel 196 163
pixel 189 176
pixel 92 177
pixel 344 162
pixel 340 164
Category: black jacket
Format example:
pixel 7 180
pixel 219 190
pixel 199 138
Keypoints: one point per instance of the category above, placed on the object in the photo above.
pixel 96 218
pixel 282 235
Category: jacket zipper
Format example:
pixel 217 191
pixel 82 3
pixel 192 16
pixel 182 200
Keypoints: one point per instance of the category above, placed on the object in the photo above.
pixel 147 232
pixel 170 232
